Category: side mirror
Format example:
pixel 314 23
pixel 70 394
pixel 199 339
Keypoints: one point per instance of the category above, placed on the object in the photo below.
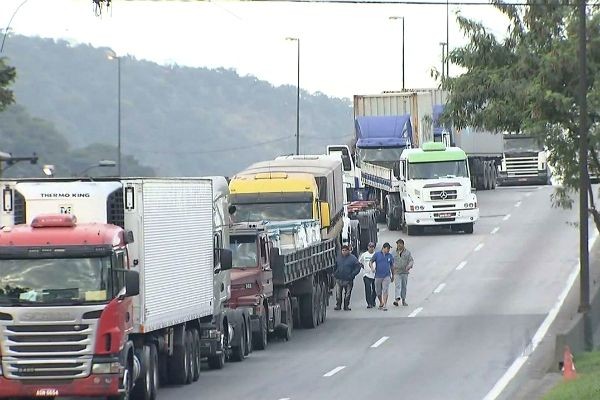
pixel 226 259
pixel 128 237
pixel 232 209
pixel 132 283
pixel 325 218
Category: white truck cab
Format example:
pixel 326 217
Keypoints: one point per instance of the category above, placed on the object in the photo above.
pixel 435 188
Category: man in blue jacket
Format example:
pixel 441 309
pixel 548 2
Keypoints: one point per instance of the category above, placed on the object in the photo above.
pixel 346 268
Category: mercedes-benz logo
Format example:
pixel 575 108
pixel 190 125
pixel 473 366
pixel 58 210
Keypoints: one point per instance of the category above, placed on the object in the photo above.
pixel 443 195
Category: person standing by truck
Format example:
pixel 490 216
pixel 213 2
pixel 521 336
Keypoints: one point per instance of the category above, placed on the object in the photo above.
pixel 346 269
pixel 368 274
pixel 384 262
pixel 403 263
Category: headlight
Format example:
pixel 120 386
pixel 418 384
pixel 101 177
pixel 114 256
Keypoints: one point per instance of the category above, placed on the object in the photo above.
pixel 106 368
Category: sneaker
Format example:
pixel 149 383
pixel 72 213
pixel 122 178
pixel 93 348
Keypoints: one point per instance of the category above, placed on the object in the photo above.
pixel 369 306
pixel 384 308
pixel 338 308
pixel 347 309
pixel 404 303
pixel 396 303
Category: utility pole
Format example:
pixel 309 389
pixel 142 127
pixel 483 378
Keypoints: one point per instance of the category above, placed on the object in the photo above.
pixel 584 257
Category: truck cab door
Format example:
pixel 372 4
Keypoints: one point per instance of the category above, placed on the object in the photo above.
pixel 267 271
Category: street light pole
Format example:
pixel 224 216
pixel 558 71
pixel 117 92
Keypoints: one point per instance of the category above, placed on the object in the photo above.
pixel 112 55
pixel 297 40
pixel 119 116
pixel 447 38
pixel 443 44
pixel 402 18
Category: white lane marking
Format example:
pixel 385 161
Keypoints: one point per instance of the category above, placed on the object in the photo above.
pixel 506 217
pixel 334 371
pixel 285 398
pixel 379 342
pixel 414 313
pixel 518 203
pixel 528 194
pixel 439 288
pixel 495 230
pixel 461 265
pixel 479 247
pixel 539 334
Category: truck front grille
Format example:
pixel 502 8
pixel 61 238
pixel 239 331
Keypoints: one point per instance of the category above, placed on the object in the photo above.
pixel 47 351
pixel 522 166
pixel 443 195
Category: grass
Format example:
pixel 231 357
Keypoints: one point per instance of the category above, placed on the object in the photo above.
pixel 587 384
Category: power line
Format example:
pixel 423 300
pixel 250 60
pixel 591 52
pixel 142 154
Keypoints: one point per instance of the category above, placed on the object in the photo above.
pixel 428 2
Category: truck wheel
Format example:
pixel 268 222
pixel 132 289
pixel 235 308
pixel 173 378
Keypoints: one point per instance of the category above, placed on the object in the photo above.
pixel 146 387
pixel 126 395
pixel 468 228
pixel 189 349
pixel 197 360
pixel 259 339
pixel 324 295
pixel 318 303
pixel 286 334
pixel 179 363
pixel 494 170
pixel 217 361
pixel 239 352
pixel 392 224
pixel 308 310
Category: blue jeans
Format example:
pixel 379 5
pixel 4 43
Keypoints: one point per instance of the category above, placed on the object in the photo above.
pixel 400 281
pixel 370 294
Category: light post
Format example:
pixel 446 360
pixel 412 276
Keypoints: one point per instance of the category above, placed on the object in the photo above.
pixel 9 22
pixel 113 56
pixel 443 44
pixel 297 40
pixel 101 163
pixel 402 18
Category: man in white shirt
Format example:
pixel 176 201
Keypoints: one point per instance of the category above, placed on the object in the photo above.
pixel 368 273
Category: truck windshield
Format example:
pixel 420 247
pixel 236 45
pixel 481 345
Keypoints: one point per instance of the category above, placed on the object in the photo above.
pixel 380 154
pixel 438 169
pixel 272 211
pixel 521 145
pixel 52 281
pixel 243 249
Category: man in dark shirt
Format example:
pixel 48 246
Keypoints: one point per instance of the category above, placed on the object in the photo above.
pixel 346 268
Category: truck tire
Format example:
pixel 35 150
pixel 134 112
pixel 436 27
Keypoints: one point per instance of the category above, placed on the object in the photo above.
pixel 468 228
pixel 197 357
pixel 238 353
pixel 324 296
pixel 494 175
pixel 146 386
pixel 127 383
pixel 259 339
pixel 308 310
pixel 217 361
pixel 189 349
pixel 391 222
pixel 486 175
pixel 179 363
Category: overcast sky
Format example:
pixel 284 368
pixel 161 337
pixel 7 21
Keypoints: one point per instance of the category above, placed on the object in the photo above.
pixel 345 49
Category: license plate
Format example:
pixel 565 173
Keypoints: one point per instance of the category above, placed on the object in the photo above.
pixel 46 392
pixel 522 179
pixel 445 215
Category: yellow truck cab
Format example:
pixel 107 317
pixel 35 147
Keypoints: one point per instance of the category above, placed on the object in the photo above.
pixel 277 196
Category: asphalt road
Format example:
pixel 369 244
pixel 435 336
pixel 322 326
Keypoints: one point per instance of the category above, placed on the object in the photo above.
pixel 475 302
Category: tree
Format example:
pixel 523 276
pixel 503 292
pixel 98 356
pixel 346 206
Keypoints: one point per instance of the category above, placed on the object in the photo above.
pixel 7 76
pixel 527 82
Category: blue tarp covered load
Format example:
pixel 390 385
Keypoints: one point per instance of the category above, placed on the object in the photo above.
pixel 384 131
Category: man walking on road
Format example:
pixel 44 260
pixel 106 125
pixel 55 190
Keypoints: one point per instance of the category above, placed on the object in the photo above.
pixel 346 269
pixel 403 263
pixel 368 274
pixel 383 261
